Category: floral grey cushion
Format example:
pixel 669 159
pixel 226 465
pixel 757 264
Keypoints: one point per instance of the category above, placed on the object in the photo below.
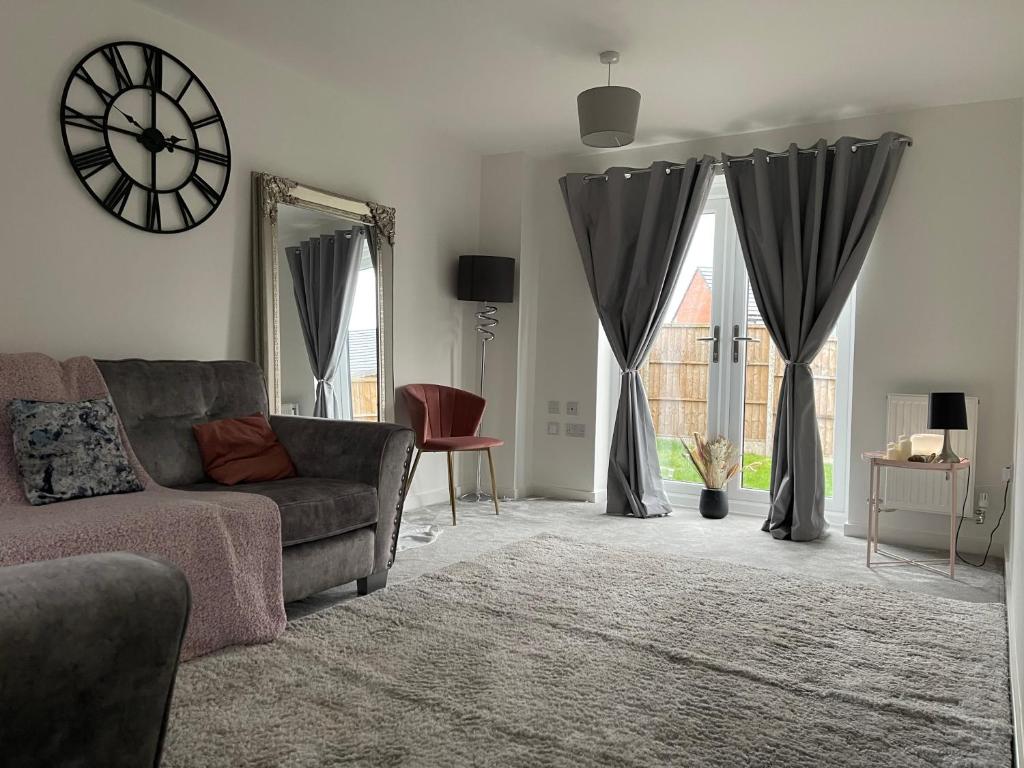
pixel 69 450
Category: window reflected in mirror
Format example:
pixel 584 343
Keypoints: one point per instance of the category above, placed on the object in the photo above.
pixel 329 316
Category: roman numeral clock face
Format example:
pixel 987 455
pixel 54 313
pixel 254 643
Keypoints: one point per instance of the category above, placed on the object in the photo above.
pixel 145 137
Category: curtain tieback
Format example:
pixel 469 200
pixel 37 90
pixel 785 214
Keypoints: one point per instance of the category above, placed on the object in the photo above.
pixel 627 371
pixel 790 362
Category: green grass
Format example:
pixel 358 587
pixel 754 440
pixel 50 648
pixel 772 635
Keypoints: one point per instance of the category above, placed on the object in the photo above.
pixel 676 465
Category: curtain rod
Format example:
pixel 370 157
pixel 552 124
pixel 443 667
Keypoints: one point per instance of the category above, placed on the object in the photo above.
pixel 750 158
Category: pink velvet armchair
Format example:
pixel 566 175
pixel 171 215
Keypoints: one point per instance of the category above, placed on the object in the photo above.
pixel 446 420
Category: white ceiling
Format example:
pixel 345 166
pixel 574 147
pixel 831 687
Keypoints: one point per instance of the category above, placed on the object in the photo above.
pixel 502 75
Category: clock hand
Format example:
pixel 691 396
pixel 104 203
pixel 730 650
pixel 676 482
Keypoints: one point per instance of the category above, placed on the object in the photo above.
pixel 173 143
pixel 125 131
pixel 152 104
pixel 128 117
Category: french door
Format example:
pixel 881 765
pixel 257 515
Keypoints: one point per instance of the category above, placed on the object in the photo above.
pixel 714 370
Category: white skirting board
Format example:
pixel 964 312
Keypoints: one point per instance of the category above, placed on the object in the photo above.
pixel 568 494
pixel 415 500
pixel 970 543
pixel 426 498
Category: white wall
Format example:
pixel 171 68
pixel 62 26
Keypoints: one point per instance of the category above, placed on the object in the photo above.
pixel 501 232
pixel 76 281
pixel 936 301
pixel 565 364
pixel 1015 546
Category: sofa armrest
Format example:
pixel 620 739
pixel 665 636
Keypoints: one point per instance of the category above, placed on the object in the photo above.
pixel 88 654
pixel 377 454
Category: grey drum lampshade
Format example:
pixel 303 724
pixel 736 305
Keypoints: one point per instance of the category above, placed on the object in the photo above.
pixel 486 278
pixel 947 410
pixel 608 115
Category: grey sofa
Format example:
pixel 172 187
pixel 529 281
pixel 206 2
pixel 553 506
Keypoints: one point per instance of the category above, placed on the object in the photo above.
pixel 88 654
pixel 339 518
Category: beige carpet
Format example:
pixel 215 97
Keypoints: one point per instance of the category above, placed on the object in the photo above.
pixel 555 653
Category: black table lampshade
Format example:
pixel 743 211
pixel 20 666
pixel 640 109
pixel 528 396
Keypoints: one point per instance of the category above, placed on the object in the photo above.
pixel 947 410
pixel 486 278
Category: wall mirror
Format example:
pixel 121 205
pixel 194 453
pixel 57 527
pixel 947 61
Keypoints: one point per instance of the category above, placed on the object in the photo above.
pixel 322 267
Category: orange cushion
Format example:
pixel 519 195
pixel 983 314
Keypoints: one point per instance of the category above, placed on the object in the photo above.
pixel 244 450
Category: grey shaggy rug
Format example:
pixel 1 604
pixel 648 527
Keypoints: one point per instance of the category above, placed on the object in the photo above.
pixel 556 653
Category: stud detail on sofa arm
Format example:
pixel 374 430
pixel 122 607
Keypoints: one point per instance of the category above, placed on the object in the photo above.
pixel 372 583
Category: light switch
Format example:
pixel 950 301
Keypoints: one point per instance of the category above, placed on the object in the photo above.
pixel 554 406
pixel 575 430
pixel 552 427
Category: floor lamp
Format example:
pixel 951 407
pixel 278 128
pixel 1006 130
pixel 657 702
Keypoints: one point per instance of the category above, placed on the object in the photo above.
pixel 488 280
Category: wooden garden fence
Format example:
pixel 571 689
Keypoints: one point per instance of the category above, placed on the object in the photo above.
pixel 364 398
pixel 676 379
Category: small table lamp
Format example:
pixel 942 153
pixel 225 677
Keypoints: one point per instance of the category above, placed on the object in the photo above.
pixel 946 411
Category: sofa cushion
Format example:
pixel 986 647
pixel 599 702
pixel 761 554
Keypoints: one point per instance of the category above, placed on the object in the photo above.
pixel 243 450
pixel 311 507
pixel 69 450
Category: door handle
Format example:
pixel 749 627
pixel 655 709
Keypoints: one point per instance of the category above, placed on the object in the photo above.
pixel 736 339
pixel 714 339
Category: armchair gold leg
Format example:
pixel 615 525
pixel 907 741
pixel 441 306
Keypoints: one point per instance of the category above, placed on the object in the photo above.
pixel 412 472
pixel 451 485
pixel 494 482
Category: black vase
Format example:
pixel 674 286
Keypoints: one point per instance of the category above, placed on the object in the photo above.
pixel 714 504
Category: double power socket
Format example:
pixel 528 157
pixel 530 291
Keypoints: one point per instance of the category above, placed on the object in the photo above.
pixel 981 510
pixel 572 428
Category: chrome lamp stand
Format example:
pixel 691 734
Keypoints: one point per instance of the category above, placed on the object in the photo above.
pixel 486 280
pixel 485 321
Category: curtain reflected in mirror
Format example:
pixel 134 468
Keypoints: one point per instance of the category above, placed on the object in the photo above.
pixel 329 316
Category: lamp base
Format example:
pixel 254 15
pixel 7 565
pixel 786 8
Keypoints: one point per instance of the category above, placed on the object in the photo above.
pixel 475 496
pixel 947 455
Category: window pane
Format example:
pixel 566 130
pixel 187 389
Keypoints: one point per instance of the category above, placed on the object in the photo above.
pixel 762 384
pixel 362 343
pixel 676 372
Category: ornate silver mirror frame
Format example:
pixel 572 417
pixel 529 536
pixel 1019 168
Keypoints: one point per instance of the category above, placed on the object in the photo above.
pixel 268 192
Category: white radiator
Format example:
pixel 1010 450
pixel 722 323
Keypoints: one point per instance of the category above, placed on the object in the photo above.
pixel 925 491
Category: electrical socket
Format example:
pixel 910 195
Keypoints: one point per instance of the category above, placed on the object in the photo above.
pixel 572 408
pixel 552 427
pixel 575 430
pixel 554 407
pixel 1007 473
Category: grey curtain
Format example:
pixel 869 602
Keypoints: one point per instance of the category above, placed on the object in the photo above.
pixel 324 271
pixel 633 230
pixel 805 221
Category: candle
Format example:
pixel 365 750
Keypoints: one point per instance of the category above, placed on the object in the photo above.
pixel 926 443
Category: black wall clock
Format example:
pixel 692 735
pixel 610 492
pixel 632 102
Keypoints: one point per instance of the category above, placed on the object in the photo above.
pixel 145 137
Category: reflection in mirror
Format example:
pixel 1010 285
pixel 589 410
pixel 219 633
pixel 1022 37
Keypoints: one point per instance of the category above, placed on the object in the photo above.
pixel 323 308
pixel 329 316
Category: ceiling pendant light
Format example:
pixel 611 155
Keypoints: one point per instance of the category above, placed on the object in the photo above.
pixel 608 113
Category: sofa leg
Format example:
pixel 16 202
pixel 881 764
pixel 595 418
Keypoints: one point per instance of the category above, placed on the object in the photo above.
pixel 372 583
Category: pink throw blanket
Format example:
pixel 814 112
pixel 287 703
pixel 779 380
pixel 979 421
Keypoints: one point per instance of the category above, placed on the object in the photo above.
pixel 227 544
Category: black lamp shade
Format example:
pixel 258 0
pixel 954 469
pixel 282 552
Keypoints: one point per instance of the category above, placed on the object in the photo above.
pixel 947 410
pixel 486 278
